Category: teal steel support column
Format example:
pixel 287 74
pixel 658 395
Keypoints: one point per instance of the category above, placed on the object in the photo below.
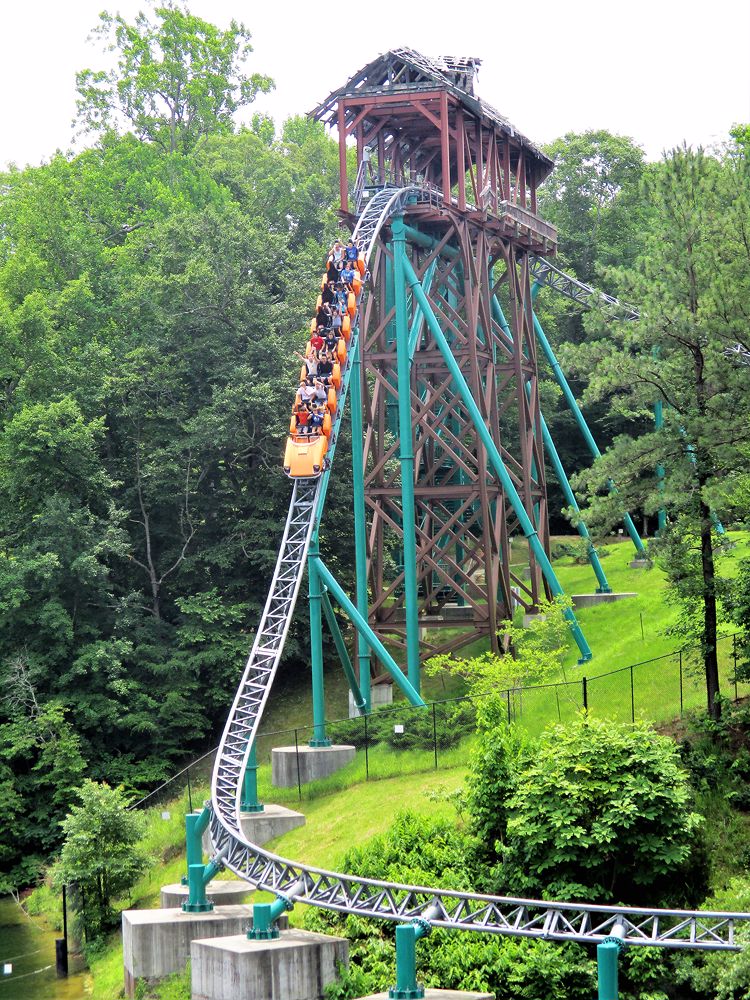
pixel 346 663
pixel 199 876
pixel 580 420
pixel 249 802
pixel 495 459
pixel 319 738
pixel 660 474
pixel 363 627
pixel 408 518
pixel 607 962
pixel 407 935
pixel 196 823
pixel 360 524
pixel 583 531
pixel 265 915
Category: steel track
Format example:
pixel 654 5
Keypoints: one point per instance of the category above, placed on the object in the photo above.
pixel 386 900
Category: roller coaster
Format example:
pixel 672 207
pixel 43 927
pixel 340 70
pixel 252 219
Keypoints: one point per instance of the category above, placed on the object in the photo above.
pixel 513 167
pixel 346 893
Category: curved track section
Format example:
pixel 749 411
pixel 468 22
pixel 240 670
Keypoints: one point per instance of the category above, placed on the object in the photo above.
pixel 367 897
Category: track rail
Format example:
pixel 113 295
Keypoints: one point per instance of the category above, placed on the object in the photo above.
pixel 387 900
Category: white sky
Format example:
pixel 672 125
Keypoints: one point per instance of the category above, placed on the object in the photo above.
pixel 660 71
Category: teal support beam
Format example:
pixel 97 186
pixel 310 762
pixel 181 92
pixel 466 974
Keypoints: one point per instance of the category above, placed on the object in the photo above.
pixel 607 962
pixel 360 524
pixel 408 517
pixel 580 420
pixel 495 459
pixel 199 876
pixel 423 240
pixel 407 935
pixel 551 451
pixel 362 626
pixel 583 531
pixel 196 823
pixel 319 738
pixel 660 473
pixel 249 801
pixel 346 663
pixel 265 915
pixel 418 322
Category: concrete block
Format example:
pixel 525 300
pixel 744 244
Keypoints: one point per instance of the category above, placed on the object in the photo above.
pixel 229 892
pixel 640 564
pixel 296 966
pixel 430 994
pixel 440 995
pixel 380 694
pixel 259 828
pixel 313 763
pixel 589 600
pixel 156 943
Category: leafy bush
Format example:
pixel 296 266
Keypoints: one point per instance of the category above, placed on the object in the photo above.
pixel 604 811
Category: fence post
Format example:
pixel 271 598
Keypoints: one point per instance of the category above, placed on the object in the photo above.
pixel 632 696
pixel 367 754
pixel 507 695
pixel 681 704
pixel 585 688
pixel 296 757
pixel 434 734
pixel 734 657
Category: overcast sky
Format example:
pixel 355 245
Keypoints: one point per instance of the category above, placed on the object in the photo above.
pixel 660 71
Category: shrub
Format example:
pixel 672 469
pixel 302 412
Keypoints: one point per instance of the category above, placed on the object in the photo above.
pixel 604 811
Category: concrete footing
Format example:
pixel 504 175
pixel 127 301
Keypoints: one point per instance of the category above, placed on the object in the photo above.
pixel 296 966
pixel 589 600
pixel 380 694
pixel 156 943
pixel 259 828
pixel 292 764
pixel 430 994
pixel 231 892
pixel 640 564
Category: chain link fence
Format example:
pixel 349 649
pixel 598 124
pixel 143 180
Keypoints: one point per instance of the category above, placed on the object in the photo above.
pixel 401 739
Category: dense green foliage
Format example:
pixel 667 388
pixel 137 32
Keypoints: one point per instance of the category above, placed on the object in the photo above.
pixel 101 858
pixel 149 302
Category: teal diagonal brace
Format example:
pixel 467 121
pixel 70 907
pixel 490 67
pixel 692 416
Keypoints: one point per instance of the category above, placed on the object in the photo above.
pixel 319 738
pixel 562 478
pixel 583 531
pixel 363 628
pixel 575 409
pixel 495 458
pixel 346 663
pixel 418 322
pixel 360 522
pixel 406 456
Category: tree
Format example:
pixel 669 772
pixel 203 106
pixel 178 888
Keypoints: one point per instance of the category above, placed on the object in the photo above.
pixel 691 285
pixel 101 857
pixel 534 654
pixel 603 811
pixel 178 78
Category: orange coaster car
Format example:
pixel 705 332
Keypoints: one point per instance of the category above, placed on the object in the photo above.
pixel 303 458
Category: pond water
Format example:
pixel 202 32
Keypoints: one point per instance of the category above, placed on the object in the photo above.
pixel 29 946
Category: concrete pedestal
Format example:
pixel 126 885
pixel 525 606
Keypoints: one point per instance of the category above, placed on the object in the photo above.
pixel 589 600
pixel 430 994
pixel 156 943
pixel 380 694
pixel 640 564
pixel 259 828
pixel 296 966
pixel 231 892
pixel 313 763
